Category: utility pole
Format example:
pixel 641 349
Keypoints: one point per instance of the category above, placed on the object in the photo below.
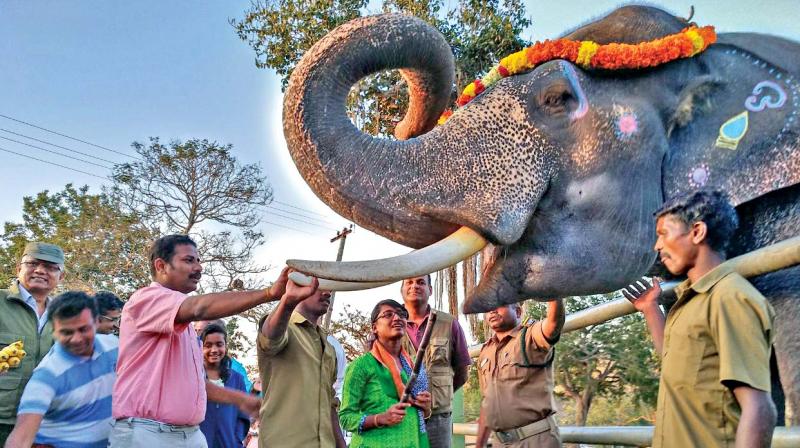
pixel 342 237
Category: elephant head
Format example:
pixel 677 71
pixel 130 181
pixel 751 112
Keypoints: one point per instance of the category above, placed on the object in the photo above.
pixel 559 168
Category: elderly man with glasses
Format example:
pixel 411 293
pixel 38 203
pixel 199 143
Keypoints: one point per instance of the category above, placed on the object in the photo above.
pixel 23 317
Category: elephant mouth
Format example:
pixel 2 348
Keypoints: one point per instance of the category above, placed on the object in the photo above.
pixel 358 275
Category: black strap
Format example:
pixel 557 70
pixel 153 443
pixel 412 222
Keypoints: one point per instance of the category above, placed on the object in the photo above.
pixel 526 362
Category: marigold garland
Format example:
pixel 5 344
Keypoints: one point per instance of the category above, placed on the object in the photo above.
pixel 587 54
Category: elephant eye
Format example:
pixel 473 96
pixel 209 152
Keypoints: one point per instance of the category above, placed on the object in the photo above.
pixel 555 101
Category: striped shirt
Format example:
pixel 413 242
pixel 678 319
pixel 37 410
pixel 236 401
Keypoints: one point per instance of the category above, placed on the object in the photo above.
pixel 74 395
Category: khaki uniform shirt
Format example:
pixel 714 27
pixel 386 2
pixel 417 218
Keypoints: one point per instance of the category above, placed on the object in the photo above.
pixel 515 396
pixel 297 372
pixel 720 329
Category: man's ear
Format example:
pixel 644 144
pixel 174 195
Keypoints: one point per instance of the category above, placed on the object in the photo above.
pixel 699 232
pixel 160 265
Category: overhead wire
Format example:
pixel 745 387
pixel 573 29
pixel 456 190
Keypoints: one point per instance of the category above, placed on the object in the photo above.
pixel 53 163
pixel 56 152
pixel 53 144
pixel 67 136
pixel 272 208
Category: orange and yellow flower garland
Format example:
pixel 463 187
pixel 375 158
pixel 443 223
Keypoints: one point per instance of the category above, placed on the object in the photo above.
pixel 588 54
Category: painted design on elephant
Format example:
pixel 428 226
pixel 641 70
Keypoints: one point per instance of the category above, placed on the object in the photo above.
pixel 626 125
pixel 757 103
pixel 583 104
pixel 732 131
pixel 784 85
pixel 699 175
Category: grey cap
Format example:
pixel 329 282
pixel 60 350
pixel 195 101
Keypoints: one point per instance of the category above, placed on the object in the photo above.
pixel 44 251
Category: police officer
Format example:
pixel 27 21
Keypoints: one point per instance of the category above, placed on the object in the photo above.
pixel 515 368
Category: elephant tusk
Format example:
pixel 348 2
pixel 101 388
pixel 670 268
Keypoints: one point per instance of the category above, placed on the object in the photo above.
pixel 333 285
pixel 461 244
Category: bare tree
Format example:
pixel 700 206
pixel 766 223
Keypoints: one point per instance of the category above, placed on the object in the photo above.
pixel 185 185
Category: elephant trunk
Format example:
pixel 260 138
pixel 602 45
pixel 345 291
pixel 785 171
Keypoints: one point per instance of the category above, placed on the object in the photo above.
pixel 372 181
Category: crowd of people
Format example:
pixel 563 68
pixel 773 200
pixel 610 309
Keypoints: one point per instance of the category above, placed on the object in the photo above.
pixel 168 379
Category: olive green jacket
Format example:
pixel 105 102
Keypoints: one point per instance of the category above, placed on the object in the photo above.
pixel 19 322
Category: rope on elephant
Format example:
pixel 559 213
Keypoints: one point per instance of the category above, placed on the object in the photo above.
pixel 587 54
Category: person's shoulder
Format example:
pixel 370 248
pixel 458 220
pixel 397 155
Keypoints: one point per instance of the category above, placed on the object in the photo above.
pixel 364 361
pixel 151 294
pixel 734 286
pixel 107 342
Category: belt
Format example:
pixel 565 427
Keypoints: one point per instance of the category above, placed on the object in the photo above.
pixel 163 427
pixel 514 435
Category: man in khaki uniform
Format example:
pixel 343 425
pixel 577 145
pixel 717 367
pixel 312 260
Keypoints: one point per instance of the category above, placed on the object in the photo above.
pixel 715 342
pixel 446 360
pixel 298 369
pixel 515 369
pixel 23 317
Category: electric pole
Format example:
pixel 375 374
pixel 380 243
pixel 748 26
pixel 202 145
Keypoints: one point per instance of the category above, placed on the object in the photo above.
pixel 342 237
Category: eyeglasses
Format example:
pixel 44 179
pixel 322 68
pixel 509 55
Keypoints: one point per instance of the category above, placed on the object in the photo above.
pixel 47 266
pixel 111 319
pixel 390 315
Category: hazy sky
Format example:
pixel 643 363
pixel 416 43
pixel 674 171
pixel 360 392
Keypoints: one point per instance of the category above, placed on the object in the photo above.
pixel 113 72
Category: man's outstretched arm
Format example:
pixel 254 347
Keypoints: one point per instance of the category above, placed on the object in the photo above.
pixel 645 299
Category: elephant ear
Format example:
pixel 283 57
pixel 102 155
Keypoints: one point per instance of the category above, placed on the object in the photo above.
pixel 736 129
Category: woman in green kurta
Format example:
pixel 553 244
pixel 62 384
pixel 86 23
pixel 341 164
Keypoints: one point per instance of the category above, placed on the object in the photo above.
pixel 373 384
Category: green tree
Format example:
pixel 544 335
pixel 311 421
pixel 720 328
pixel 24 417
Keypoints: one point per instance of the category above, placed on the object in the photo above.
pixel 610 360
pixel 479 31
pixel 198 187
pixel 104 246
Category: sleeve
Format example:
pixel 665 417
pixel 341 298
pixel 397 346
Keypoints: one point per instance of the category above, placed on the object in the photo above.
pixel 355 382
pixel 38 394
pixel 741 327
pixel 271 347
pixel 535 339
pixel 459 346
pixel 154 311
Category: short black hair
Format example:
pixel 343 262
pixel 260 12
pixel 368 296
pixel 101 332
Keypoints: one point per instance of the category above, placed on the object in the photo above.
pixel 164 248
pixel 392 303
pixel 71 304
pixel 107 301
pixel 710 207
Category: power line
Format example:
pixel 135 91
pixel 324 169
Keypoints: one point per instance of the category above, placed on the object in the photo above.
pixel 298 208
pixel 55 152
pixel 300 220
pixel 287 227
pixel 300 215
pixel 57 146
pixel 53 163
pixel 67 136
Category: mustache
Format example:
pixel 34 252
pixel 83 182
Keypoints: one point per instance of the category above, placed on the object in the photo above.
pixel 196 276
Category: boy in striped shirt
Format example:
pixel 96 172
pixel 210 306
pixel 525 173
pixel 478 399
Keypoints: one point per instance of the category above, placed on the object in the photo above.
pixel 67 402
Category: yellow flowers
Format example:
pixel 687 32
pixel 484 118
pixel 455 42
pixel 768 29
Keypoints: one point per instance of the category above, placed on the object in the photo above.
pixel 11 356
pixel 585 53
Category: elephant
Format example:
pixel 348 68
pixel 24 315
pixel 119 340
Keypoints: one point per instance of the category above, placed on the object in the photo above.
pixel 561 168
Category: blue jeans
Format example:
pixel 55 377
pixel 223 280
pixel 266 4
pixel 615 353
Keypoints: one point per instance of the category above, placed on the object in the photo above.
pixel 440 430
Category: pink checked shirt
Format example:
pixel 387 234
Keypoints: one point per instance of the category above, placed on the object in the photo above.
pixel 160 368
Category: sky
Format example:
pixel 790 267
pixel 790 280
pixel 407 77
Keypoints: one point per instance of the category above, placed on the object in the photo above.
pixel 113 72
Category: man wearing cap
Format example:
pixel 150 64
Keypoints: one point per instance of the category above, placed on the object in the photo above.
pixel 23 317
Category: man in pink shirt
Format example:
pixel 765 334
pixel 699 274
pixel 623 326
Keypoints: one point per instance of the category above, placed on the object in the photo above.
pixel 160 395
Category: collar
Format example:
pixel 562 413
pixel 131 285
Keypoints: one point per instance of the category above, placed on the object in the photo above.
pixel 69 355
pixel 298 319
pixel 26 296
pixel 424 321
pixel 513 333
pixel 705 283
